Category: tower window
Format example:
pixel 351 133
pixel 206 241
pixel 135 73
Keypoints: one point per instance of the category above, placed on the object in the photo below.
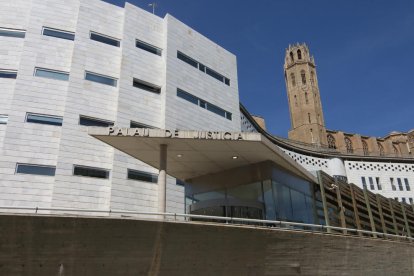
pixel 312 78
pixel 309 118
pixel 365 147
pixel 381 149
pixel 306 97
pixel 303 75
pixel 296 101
pixel 348 145
pixel 299 54
pixel 291 56
pixel 292 77
pixel 331 142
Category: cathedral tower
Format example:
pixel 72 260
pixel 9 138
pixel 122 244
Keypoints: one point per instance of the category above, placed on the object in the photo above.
pixel 306 116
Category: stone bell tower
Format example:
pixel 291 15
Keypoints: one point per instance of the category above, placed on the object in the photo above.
pixel 306 116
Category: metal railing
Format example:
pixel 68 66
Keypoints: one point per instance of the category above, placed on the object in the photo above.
pixel 268 224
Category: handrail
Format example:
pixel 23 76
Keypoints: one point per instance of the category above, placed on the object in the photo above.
pixel 272 223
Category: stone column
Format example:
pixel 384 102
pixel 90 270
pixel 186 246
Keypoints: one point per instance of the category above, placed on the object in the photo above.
pixel 162 179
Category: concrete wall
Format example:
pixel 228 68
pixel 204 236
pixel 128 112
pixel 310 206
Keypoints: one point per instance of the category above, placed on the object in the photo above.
pixel 42 245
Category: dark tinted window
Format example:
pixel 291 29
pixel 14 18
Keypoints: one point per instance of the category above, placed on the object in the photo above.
pixel 59 34
pixel 139 125
pixel 105 39
pixel 146 86
pixel 214 74
pixel 51 74
pixel 88 121
pixel 142 176
pixel 148 47
pixel 12 33
pixel 187 96
pixel 8 74
pixel 216 110
pixel 187 59
pixel 90 172
pixel 44 119
pixel 4 119
pixel 100 79
pixel 36 169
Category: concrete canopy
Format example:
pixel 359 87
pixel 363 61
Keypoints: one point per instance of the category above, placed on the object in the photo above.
pixel 196 153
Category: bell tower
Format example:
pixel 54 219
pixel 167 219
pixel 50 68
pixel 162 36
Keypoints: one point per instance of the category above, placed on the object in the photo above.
pixel 305 107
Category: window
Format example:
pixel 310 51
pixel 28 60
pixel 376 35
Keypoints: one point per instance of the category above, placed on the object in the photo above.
pixel 90 172
pixel 139 125
pixel 303 76
pixel 296 101
pixel 44 119
pixel 203 104
pixel 202 68
pixel 365 147
pixel 12 32
pixel 348 145
pixel 100 78
pixel 51 74
pixel 58 33
pixel 309 118
pixel 381 149
pixel 371 183
pixel 299 54
pixel 89 121
pixel 396 198
pixel 306 97
pixel 105 39
pixel 379 186
pixel 4 119
pixel 400 186
pixel 35 169
pixel 291 57
pixel 312 78
pixel 142 176
pixel 179 182
pixel 404 200
pixel 411 200
pixel 396 152
pixel 292 77
pixel 407 185
pixel 331 142
pixel 146 86
pixel 364 183
pixel 8 74
pixel 392 184
pixel 148 47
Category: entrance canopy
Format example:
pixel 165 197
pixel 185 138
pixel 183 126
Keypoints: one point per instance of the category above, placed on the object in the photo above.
pixel 192 154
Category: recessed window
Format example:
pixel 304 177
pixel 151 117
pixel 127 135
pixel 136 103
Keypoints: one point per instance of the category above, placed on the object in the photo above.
pixel 100 79
pixel 12 32
pixel 371 183
pixel 379 186
pixel 35 169
pixel 139 125
pixel 142 176
pixel 179 182
pixel 51 74
pixel 393 187
pixel 148 47
pixel 44 119
pixel 8 74
pixel 4 119
pixel 58 33
pixel 146 86
pixel 400 186
pixel 203 104
pixel 407 184
pixel 105 39
pixel 364 183
pixel 89 121
pixel 203 68
pixel 90 172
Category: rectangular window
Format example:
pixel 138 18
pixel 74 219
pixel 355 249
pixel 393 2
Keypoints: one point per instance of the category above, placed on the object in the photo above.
pixel 400 186
pixel 90 172
pixel 148 47
pixel 142 176
pixel 44 119
pixel 203 104
pixel 4 119
pixel 35 169
pixel 214 74
pixel 89 121
pixel 105 39
pixel 179 182
pixel 51 74
pixel 139 125
pixel 8 74
pixel 407 185
pixel 146 86
pixel 371 183
pixel 392 184
pixel 58 33
pixel 12 32
pixel 187 59
pixel 411 200
pixel 364 183
pixel 100 78
pixel 379 186
pixel 404 200
pixel 396 198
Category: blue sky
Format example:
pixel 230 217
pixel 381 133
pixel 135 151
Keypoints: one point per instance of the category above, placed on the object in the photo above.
pixel 363 51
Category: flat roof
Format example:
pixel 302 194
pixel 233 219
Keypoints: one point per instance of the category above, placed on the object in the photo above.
pixel 192 154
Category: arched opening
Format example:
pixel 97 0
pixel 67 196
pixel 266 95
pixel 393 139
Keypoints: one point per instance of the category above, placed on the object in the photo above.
pixel 291 57
pixel 365 147
pixel 348 145
pixel 331 142
pixel 299 54
pixel 396 151
pixel 303 75
pixel 312 78
pixel 381 149
pixel 292 78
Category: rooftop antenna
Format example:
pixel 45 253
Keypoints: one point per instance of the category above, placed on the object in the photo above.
pixel 153 5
